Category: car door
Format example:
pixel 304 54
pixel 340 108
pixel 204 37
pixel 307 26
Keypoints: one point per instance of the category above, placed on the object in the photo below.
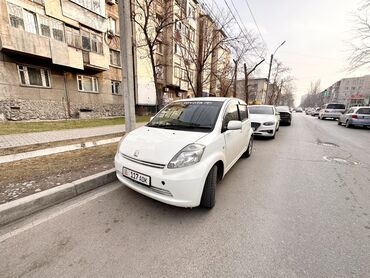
pixel 246 125
pixel 233 138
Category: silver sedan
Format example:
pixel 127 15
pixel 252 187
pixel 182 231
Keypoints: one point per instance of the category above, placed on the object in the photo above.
pixel 355 116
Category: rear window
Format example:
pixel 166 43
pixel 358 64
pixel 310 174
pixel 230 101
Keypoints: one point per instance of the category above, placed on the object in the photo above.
pixel 365 111
pixel 282 108
pixel 336 106
pixel 261 110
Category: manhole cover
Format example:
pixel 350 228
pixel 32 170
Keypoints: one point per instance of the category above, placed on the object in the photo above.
pixel 339 160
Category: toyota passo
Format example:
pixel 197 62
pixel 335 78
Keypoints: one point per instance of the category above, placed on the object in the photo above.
pixel 181 154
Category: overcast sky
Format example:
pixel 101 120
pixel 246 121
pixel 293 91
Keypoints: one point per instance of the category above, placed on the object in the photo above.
pixel 317 33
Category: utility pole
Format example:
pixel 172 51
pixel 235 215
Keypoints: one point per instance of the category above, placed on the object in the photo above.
pixel 128 88
pixel 235 76
pixel 271 59
pixel 246 77
pixel 246 84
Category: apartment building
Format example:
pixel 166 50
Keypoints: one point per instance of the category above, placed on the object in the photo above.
pixel 59 59
pixel 257 90
pixel 352 91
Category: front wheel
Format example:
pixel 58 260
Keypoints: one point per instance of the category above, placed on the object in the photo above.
pixel 249 150
pixel 208 199
pixel 348 125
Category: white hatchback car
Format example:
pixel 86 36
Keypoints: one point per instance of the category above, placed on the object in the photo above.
pixel 265 120
pixel 178 157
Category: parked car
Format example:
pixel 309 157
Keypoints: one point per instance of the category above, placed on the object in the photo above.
pixel 180 155
pixel 308 111
pixel 331 110
pixel 299 110
pixel 285 115
pixel 315 112
pixel 265 120
pixel 355 116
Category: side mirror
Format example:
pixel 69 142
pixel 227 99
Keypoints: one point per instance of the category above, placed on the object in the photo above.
pixel 234 125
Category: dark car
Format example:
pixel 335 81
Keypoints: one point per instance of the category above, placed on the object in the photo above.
pixel 285 115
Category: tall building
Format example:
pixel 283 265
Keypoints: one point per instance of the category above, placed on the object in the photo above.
pixel 59 59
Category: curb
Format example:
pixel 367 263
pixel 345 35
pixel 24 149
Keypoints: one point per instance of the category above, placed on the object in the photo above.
pixel 25 206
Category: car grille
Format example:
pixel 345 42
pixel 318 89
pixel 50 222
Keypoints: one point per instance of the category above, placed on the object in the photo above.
pixel 255 125
pixel 146 163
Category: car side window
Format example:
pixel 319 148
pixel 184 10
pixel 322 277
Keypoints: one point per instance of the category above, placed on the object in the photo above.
pixel 230 115
pixel 243 112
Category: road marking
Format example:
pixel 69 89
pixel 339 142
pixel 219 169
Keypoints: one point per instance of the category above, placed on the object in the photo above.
pixel 60 212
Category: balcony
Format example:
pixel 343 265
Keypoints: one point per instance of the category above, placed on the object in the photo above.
pixel 17 40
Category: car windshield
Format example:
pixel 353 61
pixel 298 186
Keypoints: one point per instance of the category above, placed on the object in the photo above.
pixel 188 115
pixel 261 110
pixel 336 106
pixel 282 109
pixel 365 111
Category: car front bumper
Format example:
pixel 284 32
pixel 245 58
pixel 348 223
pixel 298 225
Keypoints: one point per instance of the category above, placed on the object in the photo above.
pixel 266 131
pixel 181 187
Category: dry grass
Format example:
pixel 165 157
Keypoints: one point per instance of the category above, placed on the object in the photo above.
pixel 36 126
pixel 25 177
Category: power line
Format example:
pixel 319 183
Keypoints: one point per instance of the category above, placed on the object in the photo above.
pixel 241 29
pixel 255 22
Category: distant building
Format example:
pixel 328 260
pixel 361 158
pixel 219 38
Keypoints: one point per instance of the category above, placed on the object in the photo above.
pixel 257 90
pixel 352 91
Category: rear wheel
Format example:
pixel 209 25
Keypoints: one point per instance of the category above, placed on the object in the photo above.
pixel 348 125
pixel 208 199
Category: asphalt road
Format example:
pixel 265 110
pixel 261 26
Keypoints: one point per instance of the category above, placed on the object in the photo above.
pixel 299 207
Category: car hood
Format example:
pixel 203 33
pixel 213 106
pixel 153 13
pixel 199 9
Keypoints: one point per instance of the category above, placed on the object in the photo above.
pixel 157 145
pixel 261 118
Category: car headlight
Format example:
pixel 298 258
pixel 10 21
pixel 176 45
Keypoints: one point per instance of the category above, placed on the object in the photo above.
pixel 269 123
pixel 189 155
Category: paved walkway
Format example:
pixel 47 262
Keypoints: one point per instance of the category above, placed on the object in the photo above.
pixel 22 139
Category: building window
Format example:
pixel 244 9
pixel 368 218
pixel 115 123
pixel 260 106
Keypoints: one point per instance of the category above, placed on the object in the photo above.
pixel 87 84
pixel 73 37
pixel 191 11
pixel 92 42
pixel 159 47
pixel 177 49
pixel 33 76
pixel 57 30
pixel 16 16
pixel 44 26
pixel 116 87
pixel 115 57
pixel 92 5
pixel 30 23
pixel 112 25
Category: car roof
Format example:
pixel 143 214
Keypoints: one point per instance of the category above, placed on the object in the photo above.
pixel 358 107
pixel 217 99
pixel 260 105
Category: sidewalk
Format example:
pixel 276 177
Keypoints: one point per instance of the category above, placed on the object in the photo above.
pixel 23 139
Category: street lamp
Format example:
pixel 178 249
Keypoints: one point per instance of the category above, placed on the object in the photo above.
pixel 271 58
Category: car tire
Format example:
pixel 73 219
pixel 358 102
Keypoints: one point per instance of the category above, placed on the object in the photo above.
pixel 273 136
pixel 249 150
pixel 348 125
pixel 208 199
pixel 289 123
pixel 339 122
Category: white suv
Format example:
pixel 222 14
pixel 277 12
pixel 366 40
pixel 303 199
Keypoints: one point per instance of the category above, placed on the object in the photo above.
pixel 179 156
pixel 332 110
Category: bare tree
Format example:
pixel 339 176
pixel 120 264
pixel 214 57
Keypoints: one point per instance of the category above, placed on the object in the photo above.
pixel 360 44
pixel 152 18
pixel 314 97
pixel 279 71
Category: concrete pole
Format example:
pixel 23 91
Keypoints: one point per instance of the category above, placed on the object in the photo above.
pixel 127 61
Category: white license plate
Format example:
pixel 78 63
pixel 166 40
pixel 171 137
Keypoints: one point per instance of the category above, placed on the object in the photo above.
pixel 138 177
